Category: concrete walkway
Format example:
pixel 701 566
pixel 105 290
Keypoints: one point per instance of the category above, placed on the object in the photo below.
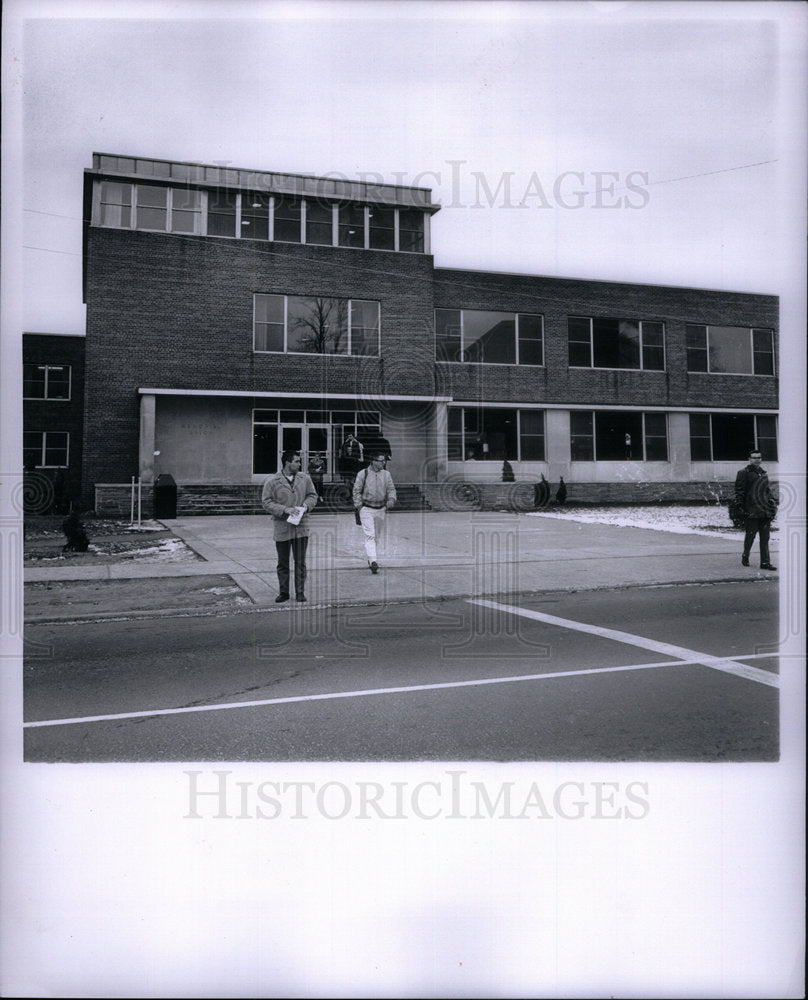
pixel 431 555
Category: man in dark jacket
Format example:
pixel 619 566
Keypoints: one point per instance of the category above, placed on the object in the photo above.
pixel 753 496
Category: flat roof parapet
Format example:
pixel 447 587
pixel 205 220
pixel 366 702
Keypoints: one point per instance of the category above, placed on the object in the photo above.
pixel 336 188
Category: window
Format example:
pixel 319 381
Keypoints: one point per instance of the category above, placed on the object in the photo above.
pixel 287 220
pixel 488 337
pixel 176 210
pixel 601 342
pixel 382 228
pixel 364 327
pixel 410 230
pixel 116 204
pixel 222 212
pixel 319 223
pixel 315 325
pixel 254 216
pixel 152 207
pixel 351 225
pixel 729 437
pixel 618 436
pixel 45 449
pixel 493 434
pixel 46 381
pixel 729 350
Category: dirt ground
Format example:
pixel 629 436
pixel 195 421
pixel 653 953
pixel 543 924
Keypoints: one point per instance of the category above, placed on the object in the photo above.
pixel 114 542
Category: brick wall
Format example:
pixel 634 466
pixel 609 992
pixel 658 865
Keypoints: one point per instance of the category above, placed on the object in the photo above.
pixel 57 415
pixel 557 298
pixel 177 312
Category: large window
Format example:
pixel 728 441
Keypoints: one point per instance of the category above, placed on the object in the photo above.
pixel 731 350
pixel 618 436
pixel 46 381
pixel 489 337
pixel 598 342
pixel 315 325
pixel 491 434
pixel 729 437
pixel 45 449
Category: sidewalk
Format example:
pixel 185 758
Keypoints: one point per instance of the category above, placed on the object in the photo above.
pixel 427 556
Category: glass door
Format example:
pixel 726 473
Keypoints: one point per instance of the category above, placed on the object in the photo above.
pixel 313 441
pixel 317 457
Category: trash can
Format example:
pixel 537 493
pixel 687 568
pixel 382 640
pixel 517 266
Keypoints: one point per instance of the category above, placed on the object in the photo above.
pixel 165 497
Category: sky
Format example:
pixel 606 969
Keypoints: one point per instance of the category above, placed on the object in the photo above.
pixel 638 142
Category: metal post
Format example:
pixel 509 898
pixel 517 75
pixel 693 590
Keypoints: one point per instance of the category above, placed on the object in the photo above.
pixel 132 505
pixel 138 501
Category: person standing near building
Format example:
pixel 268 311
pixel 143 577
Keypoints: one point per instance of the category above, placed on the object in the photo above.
pixel 350 460
pixel 283 496
pixel 754 497
pixel 374 493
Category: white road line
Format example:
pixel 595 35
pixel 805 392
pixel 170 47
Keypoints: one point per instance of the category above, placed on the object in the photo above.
pixel 149 713
pixel 682 653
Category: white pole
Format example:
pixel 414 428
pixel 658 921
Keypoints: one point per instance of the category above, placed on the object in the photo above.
pixel 132 505
pixel 138 501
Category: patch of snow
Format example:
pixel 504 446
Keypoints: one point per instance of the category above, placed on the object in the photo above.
pixel 169 548
pixel 709 519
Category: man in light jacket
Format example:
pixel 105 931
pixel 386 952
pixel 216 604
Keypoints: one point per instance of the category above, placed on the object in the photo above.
pixel 282 494
pixel 374 493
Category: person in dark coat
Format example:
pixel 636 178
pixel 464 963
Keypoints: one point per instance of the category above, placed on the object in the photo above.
pixel 753 495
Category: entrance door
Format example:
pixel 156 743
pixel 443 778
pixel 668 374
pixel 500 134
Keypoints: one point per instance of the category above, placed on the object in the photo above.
pixel 310 440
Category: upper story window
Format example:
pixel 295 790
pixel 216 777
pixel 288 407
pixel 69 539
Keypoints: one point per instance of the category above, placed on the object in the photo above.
pixel 150 206
pixel 288 220
pixel 302 324
pixel 600 342
pixel 730 350
pixel 489 337
pixel 252 215
pixel 351 225
pixel 411 230
pixel 46 381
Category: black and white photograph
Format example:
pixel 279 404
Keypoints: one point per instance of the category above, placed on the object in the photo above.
pixel 403 484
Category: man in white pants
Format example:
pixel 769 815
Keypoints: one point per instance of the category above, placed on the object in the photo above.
pixel 373 495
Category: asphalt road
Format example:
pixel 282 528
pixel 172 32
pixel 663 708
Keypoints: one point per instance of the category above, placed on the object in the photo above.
pixel 590 676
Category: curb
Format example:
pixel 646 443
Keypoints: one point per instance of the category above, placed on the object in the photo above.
pixel 202 612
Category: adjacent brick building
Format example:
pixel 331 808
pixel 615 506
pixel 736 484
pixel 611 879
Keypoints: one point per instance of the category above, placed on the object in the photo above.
pixel 53 420
pixel 231 313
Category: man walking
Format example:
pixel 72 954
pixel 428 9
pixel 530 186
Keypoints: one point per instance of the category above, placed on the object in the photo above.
pixel 754 498
pixel 283 496
pixel 373 495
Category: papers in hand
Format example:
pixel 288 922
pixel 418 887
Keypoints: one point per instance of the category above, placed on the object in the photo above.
pixel 295 518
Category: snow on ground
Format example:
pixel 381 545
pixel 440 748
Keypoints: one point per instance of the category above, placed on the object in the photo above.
pixel 709 519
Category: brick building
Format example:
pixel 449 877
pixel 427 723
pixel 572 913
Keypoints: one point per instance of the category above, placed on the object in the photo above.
pixel 53 420
pixel 232 313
